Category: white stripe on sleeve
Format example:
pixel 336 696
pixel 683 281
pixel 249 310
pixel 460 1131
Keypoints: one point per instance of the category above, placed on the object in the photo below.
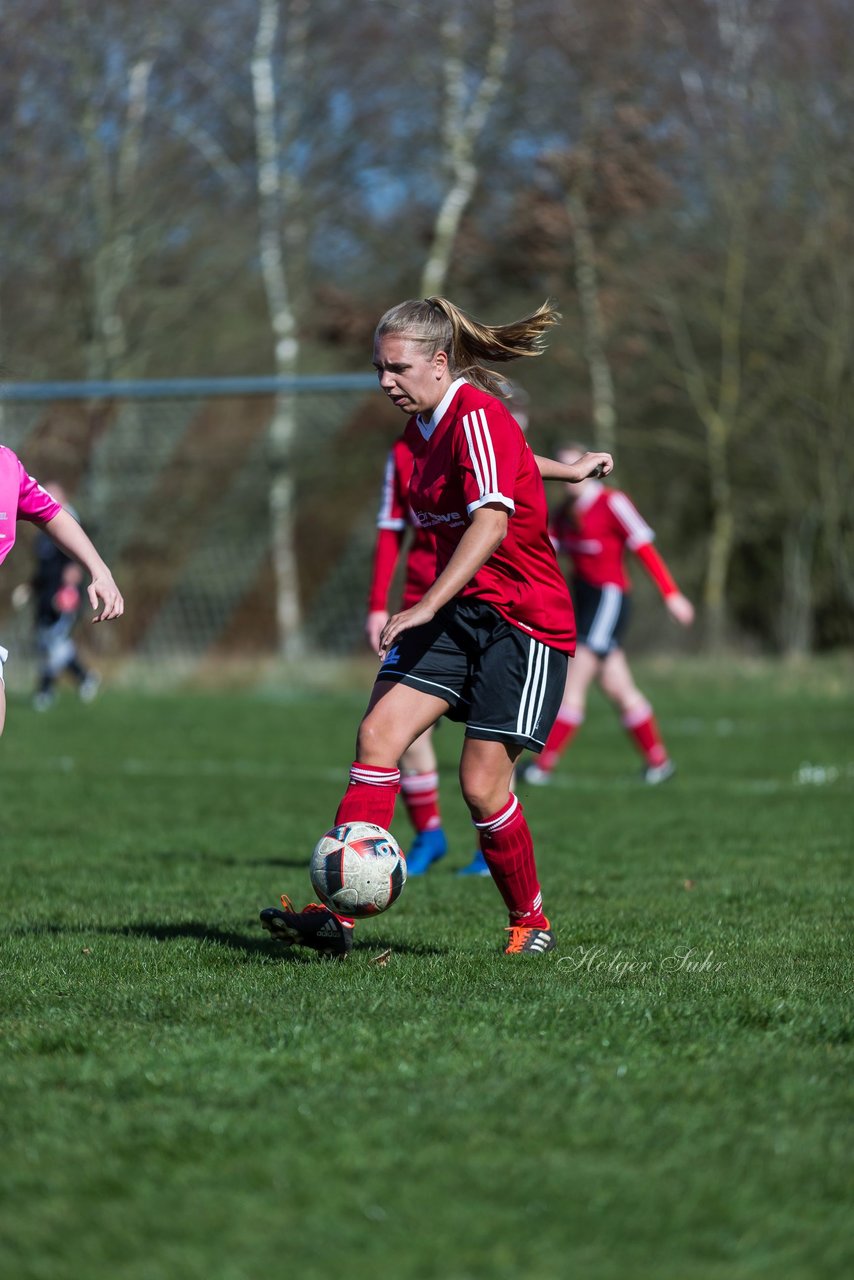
pixel 475 454
pixel 385 518
pixel 486 443
pixel 631 519
pixel 479 441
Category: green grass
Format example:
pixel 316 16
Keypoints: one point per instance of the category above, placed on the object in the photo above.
pixel 182 1099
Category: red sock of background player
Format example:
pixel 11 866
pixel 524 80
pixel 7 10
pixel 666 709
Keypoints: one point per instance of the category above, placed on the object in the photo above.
pixel 370 797
pixel 640 724
pixel 509 852
pixel 567 722
pixel 420 793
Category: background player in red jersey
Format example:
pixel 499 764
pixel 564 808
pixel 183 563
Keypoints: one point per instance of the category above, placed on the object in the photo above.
pixel 595 527
pixel 419 775
pixel 488 641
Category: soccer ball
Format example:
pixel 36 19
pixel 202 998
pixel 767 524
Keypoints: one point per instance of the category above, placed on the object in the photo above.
pixel 358 869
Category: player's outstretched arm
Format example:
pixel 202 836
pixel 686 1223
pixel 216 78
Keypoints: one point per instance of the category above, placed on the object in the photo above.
pixel 71 539
pixel 678 606
pixel 590 466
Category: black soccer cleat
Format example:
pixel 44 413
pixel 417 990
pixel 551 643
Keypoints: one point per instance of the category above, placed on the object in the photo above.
pixel 315 927
pixel 525 941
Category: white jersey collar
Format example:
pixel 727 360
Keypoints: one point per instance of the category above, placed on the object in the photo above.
pixel 427 428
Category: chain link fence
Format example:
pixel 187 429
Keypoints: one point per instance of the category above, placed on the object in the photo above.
pixel 172 480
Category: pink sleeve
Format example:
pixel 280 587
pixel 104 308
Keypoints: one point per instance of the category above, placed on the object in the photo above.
pixel 34 502
pixel 488 453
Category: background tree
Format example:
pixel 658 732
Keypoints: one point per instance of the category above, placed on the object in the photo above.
pixel 242 186
pixel 276 133
pixel 467 99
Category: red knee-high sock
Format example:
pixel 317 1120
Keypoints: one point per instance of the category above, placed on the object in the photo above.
pixel 505 840
pixel 420 793
pixel 369 797
pixel 640 724
pixel 568 721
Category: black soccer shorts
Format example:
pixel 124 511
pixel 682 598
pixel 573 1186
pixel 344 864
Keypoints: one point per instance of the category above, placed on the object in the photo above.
pixel 601 616
pixel 502 684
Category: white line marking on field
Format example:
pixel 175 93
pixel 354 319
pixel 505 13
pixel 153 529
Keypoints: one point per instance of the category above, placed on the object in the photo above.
pixel 683 781
pixel 199 768
pixel 275 770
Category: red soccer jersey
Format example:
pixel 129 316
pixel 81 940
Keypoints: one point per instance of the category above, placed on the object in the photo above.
pixel 395 516
pixel 595 531
pixel 472 452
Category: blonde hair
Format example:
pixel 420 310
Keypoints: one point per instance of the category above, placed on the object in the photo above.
pixel 441 326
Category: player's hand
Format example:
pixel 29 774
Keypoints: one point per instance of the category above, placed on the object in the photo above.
pixel 590 466
pixel 21 595
pixel 374 624
pixel 104 590
pixel 680 608
pixel 414 617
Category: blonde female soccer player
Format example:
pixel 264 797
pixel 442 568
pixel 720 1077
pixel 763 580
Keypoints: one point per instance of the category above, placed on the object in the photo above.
pixel 397 525
pixel 488 642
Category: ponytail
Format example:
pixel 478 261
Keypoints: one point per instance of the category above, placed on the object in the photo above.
pixel 441 326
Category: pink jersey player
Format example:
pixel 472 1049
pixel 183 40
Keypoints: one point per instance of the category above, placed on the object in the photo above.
pixel 23 498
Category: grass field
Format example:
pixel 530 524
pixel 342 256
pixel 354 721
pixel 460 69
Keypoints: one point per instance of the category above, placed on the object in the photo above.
pixel 667 1096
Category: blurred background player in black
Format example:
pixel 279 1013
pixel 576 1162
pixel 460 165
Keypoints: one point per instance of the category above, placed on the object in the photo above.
pixel 55 591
